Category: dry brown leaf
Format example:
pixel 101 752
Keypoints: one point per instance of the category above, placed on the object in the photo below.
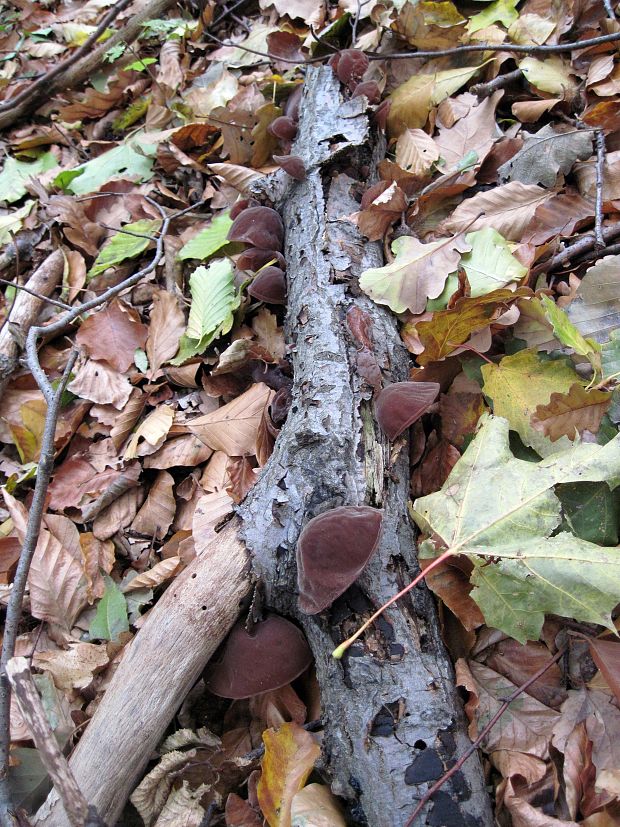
pixel 119 515
pixel 10 549
pixel 237 176
pixel 572 413
pixel 508 209
pixel 166 327
pixel 100 383
pixel 182 450
pixel 476 132
pixel 112 335
pixel 127 418
pixel 151 433
pixel 416 152
pixel 156 515
pixel 268 334
pixel 75 667
pixel 155 576
pixel 242 477
pixel 97 557
pixel 387 206
pixel 215 476
pixel 233 427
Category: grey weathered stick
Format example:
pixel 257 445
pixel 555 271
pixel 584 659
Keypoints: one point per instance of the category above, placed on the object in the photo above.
pixel 84 68
pixel 25 312
pixel 598 204
pixel 20 677
pixel 165 659
pixel 395 694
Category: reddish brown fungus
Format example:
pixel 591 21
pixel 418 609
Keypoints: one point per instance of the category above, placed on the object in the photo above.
pixel 292 164
pixel 284 128
pixel 253 259
pixel 273 654
pixel 269 286
pixel 332 551
pixel 381 113
pixel 242 205
pixel 351 67
pixel 399 405
pixel 259 226
pixel 291 108
pixel 370 88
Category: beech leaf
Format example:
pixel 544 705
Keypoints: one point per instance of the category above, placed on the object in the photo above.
pixel 546 154
pixel 123 245
pixel 418 272
pixel 494 505
pixel 111 619
pixel 209 240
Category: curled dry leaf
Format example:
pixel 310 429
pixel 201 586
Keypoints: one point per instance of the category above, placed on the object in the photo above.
pixel 75 667
pixel 165 330
pixel 152 431
pixel 571 413
pixel 155 576
pixel 211 510
pixel 100 383
pixel 156 515
pixel 113 334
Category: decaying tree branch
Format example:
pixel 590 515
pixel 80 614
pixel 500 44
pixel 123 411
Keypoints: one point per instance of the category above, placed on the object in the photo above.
pixel 78 72
pixel 25 312
pixel 165 659
pixel 392 699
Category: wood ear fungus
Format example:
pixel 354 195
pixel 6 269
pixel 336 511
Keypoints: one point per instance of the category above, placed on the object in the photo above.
pixel 254 258
pixel 399 405
pixel 292 164
pixel 284 128
pixel 259 226
pixel 349 65
pixel 269 286
pixel 273 654
pixel 332 551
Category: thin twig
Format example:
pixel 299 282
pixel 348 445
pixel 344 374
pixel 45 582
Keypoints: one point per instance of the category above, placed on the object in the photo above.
pixel 483 734
pixel 598 204
pixel 576 250
pixel 483 90
pixel 35 294
pixel 267 55
pixel 609 9
pixel 500 47
pixel 45 79
pixel 16 596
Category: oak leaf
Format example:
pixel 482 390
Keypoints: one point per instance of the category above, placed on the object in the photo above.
pixel 571 413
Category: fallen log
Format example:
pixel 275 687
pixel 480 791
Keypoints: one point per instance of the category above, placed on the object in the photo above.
pixel 391 699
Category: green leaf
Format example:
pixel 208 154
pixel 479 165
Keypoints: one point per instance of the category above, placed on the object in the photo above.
pixel 553 74
pixel 141 64
pixel 214 299
pixel 121 162
pixel 140 360
pixel 16 173
pixel 494 505
pixel 522 382
pixel 501 11
pixel 490 264
pixel 566 332
pixel 110 620
pixel 122 245
pixel 114 52
pixel 610 356
pixel 209 240
pixel 591 511
pixel 12 222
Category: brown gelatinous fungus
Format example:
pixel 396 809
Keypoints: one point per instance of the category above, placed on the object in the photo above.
pixel 399 405
pixel 259 226
pixel 240 206
pixel 370 88
pixel 283 127
pixel 273 654
pixel 349 65
pixel 269 286
pixel 254 258
pixel 292 164
pixel 332 551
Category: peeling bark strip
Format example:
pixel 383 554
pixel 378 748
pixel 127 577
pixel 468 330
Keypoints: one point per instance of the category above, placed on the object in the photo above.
pixel 393 719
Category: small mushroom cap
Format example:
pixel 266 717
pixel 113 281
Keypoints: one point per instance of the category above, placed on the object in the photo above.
pixel 370 88
pixel 399 405
pixel 269 286
pixel 240 206
pixel 253 258
pixel 259 226
pixel 283 127
pixel 351 67
pixel 272 655
pixel 292 164
pixel 332 551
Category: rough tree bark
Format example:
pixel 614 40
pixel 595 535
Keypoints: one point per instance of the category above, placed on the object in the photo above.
pixel 391 711
pixel 393 699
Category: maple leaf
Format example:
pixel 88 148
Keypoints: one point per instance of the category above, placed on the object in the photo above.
pixel 494 505
pixel 418 272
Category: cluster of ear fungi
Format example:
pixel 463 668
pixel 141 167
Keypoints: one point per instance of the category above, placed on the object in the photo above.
pixel 332 551
pixel 262 229
pixel 284 129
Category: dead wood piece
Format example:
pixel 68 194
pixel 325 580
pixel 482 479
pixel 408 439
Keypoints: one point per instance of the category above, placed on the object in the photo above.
pixel 395 697
pixel 165 659
pixel 25 312
pixel 20 676
pixel 81 71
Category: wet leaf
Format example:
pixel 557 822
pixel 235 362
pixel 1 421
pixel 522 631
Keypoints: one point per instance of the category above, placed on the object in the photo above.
pixel 111 618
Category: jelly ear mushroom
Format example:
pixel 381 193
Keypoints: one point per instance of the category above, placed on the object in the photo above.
pixel 259 226
pixel 253 258
pixel 284 128
pixel 332 551
pixel 370 88
pixel 273 654
pixel 269 286
pixel 399 405
pixel 349 65
pixel 292 164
